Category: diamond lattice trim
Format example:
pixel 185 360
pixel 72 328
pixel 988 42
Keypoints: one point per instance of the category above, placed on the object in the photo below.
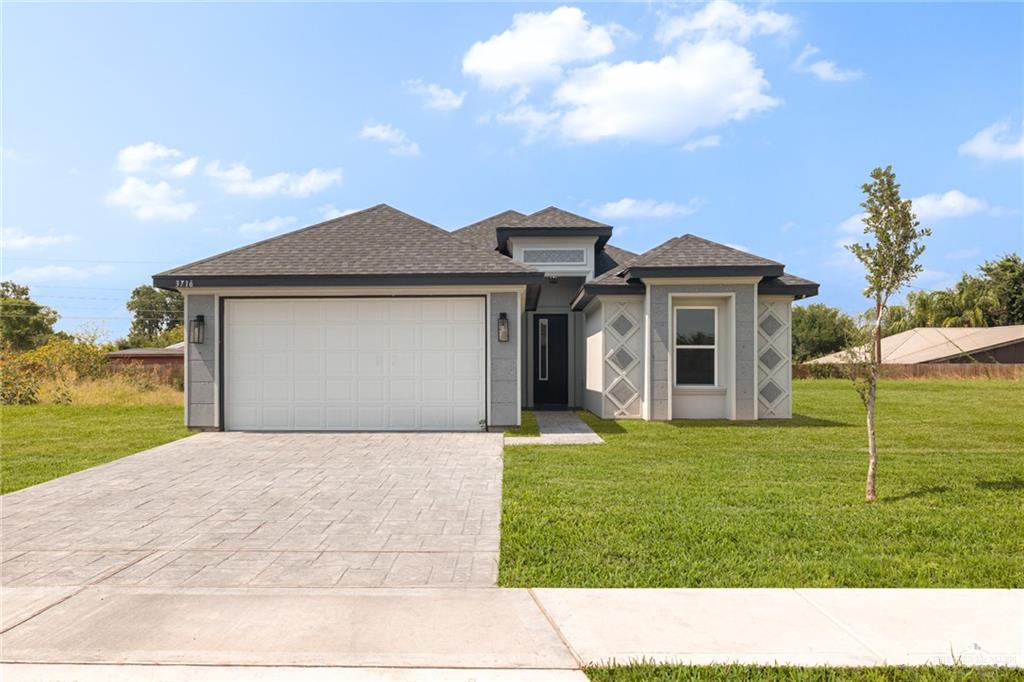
pixel 622 393
pixel 771 358
pixel 622 325
pixel 770 325
pixel 622 359
pixel 771 391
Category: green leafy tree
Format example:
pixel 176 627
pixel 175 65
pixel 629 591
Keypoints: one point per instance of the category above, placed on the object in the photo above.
pixel 154 313
pixel 24 324
pixel 819 329
pixel 1006 282
pixel 890 258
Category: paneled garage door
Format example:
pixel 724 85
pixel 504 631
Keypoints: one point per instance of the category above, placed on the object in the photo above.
pixel 354 364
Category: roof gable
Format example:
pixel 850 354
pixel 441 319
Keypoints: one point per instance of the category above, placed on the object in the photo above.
pixel 482 233
pixel 378 241
pixel 692 255
pixel 552 216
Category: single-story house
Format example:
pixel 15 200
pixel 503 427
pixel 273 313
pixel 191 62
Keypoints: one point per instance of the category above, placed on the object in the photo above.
pixel 378 320
pixel 931 345
pixel 166 359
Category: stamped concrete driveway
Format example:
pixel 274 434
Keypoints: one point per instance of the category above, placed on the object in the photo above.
pixel 273 510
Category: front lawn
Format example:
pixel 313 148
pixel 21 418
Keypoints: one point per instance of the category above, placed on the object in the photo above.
pixel 528 425
pixel 40 442
pixel 781 503
pixel 751 673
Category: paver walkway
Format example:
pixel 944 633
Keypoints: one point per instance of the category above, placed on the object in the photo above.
pixel 283 510
pixel 558 428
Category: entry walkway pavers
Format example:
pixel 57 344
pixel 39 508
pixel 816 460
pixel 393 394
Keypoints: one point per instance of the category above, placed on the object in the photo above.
pixel 558 427
pixel 272 510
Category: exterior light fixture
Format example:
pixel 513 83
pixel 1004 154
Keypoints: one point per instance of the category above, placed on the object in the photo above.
pixel 197 329
pixel 503 327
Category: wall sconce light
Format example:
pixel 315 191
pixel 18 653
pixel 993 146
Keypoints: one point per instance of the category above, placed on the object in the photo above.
pixel 197 329
pixel 503 327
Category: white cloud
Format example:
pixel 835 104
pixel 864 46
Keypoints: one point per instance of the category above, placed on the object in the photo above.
pixel 330 211
pixel 8 153
pixel 702 85
pixel 995 143
pixel 185 168
pixel 724 19
pixel 852 225
pixel 702 143
pixel 434 96
pixel 536 48
pixel 46 273
pixel 787 226
pixel 929 208
pixel 633 209
pixel 236 178
pixel 270 225
pixel 824 69
pixel 535 122
pixel 139 157
pixel 14 238
pixel 398 142
pixel 952 204
pixel 738 247
pixel 935 279
pixel 156 201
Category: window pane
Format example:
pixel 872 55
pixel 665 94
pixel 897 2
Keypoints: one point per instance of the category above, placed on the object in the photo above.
pixel 695 366
pixel 695 327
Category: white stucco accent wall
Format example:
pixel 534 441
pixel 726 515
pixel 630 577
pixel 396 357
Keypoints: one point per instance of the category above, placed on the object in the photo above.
pixel 774 361
pixel 593 340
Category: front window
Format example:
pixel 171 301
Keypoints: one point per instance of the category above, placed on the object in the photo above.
pixel 696 348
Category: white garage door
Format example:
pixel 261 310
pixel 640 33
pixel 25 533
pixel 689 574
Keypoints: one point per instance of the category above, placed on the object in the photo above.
pixel 354 364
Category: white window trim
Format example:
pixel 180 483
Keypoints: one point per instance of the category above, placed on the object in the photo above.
pixel 676 346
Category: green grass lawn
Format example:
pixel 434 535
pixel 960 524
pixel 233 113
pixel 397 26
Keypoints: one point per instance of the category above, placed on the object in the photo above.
pixel 527 427
pixel 743 673
pixel 781 503
pixel 40 442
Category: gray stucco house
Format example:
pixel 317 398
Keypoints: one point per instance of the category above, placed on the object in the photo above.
pixel 380 321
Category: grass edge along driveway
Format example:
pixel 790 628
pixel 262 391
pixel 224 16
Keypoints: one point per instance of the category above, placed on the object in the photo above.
pixel 780 503
pixel 43 442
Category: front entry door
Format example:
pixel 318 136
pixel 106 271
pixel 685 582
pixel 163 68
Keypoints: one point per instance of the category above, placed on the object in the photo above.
pixel 551 360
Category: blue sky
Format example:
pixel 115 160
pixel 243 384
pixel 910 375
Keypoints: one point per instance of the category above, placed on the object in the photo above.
pixel 143 136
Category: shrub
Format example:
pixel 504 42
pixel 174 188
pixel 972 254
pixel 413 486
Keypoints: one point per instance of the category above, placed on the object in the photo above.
pixel 67 360
pixel 19 380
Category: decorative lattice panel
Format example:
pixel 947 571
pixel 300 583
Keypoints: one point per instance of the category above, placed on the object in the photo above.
pixel 623 359
pixel 773 359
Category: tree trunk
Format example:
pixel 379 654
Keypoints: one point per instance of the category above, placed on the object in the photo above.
pixel 873 372
pixel 869 492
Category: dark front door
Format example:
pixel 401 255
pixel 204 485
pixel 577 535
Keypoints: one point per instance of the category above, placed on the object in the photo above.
pixel 550 360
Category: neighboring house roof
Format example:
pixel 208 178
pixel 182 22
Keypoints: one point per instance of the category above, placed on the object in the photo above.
pixel 483 232
pixel 175 350
pixel 935 344
pixel 378 244
pixel 690 255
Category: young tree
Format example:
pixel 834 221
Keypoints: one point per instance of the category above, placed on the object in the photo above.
pixel 24 324
pixel 819 329
pixel 890 259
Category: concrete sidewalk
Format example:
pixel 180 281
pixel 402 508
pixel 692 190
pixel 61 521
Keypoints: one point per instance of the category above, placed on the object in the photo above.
pixel 482 633
pixel 558 428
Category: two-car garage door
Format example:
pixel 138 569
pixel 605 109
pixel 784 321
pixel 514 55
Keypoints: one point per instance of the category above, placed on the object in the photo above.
pixel 354 364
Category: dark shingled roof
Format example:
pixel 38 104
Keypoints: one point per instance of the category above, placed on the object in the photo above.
pixel 376 241
pixel 788 284
pixel 611 258
pixel 553 216
pixel 482 233
pixel 690 251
